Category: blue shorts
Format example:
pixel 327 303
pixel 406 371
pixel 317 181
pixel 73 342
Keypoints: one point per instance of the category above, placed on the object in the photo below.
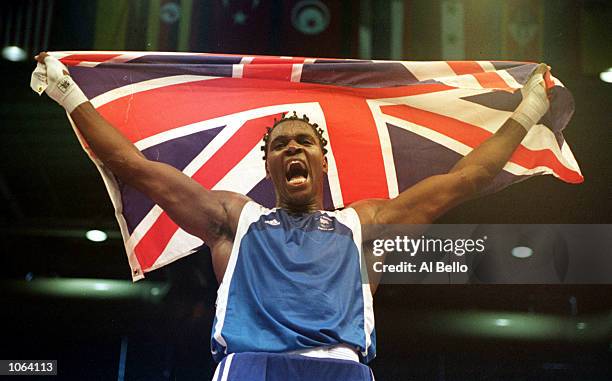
pixel 255 366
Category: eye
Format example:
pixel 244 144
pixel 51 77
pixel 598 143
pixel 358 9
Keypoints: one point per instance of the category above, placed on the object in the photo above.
pixel 278 145
pixel 306 141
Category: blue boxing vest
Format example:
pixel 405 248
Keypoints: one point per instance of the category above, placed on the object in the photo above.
pixel 294 282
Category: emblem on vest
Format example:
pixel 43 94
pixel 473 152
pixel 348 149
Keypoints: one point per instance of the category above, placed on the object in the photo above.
pixel 325 223
pixel 273 222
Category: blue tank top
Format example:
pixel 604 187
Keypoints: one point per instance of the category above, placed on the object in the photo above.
pixel 294 282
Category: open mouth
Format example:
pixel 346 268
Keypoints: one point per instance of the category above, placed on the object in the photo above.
pixel 296 173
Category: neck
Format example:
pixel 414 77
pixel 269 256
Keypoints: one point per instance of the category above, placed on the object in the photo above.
pixel 305 208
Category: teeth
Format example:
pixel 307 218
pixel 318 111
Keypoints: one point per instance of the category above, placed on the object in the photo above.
pixel 296 172
pixel 297 180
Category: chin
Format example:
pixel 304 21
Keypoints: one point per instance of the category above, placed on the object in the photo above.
pixel 302 197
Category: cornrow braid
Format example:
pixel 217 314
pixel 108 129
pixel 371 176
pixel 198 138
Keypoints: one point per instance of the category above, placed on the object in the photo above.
pixel 315 127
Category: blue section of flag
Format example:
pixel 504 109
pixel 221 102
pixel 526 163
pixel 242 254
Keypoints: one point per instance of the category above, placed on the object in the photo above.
pixel 365 74
pixel 178 153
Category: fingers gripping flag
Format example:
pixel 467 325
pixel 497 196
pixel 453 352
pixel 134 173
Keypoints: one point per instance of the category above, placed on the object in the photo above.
pixel 389 125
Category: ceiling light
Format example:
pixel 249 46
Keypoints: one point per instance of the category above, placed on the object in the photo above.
pixel 606 76
pixel 14 53
pixel 522 252
pixel 502 322
pixel 96 235
pixel 101 286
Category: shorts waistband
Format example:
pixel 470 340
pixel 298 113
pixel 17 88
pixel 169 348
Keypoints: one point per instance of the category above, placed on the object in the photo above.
pixel 340 352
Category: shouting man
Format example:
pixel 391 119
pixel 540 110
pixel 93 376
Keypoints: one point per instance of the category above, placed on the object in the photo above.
pixel 293 302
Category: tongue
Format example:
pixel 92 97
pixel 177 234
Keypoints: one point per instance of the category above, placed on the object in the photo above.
pixel 297 180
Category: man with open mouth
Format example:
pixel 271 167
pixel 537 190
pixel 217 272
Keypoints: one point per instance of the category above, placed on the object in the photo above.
pixel 293 303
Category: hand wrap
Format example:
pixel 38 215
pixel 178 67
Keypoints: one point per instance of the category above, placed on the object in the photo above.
pixel 535 100
pixel 51 78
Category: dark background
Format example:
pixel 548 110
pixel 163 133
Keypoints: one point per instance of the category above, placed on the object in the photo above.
pixel 51 194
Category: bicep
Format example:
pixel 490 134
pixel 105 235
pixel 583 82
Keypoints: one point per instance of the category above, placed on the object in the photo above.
pixel 204 213
pixel 417 206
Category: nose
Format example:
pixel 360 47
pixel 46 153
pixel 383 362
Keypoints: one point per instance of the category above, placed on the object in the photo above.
pixel 293 147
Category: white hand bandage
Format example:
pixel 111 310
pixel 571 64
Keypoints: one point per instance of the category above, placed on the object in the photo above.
pixel 50 77
pixel 38 82
pixel 535 100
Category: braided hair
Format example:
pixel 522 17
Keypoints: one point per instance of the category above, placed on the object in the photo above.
pixel 315 127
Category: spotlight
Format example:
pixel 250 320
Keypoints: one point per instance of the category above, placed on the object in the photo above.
pixel 96 235
pixel 101 287
pixel 502 322
pixel 606 76
pixel 518 254
pixel 14 53
pixel 522 252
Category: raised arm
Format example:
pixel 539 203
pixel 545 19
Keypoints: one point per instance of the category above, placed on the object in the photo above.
pixel 432 197
pixel 210 215
pixel 424 202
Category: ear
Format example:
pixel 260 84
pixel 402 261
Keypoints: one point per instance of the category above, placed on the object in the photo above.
pixel 325 164
pixel 267 171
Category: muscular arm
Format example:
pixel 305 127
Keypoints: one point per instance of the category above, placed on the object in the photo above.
pixel 210 215
pixel 432 197
pixel 424 202
pixel 197 210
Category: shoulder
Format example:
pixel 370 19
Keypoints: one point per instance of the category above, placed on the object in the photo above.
pixel 233 204
pixel 243 211
pixel 367 210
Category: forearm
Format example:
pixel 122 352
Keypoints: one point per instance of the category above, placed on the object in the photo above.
pixel 210 215
pixel 197 210
pixel 489 158
pixel 110 146
pixel 107 143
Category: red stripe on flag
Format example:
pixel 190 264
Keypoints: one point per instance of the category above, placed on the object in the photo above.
pixel 361 170
pixel 187 103
pixel 548 80
pixel 277 60
pixel 232 152
pixel 154 242
pixel 268 71
pixel 465 67
pixel 472 136
pixel 491 80
pixel 178 105
pixel 463 132
pixel 270 68
pixel 488 80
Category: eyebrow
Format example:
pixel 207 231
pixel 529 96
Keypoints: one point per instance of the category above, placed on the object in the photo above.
pixel 287 136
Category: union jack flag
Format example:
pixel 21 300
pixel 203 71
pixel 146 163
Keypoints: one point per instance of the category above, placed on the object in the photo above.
pixel 389 124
